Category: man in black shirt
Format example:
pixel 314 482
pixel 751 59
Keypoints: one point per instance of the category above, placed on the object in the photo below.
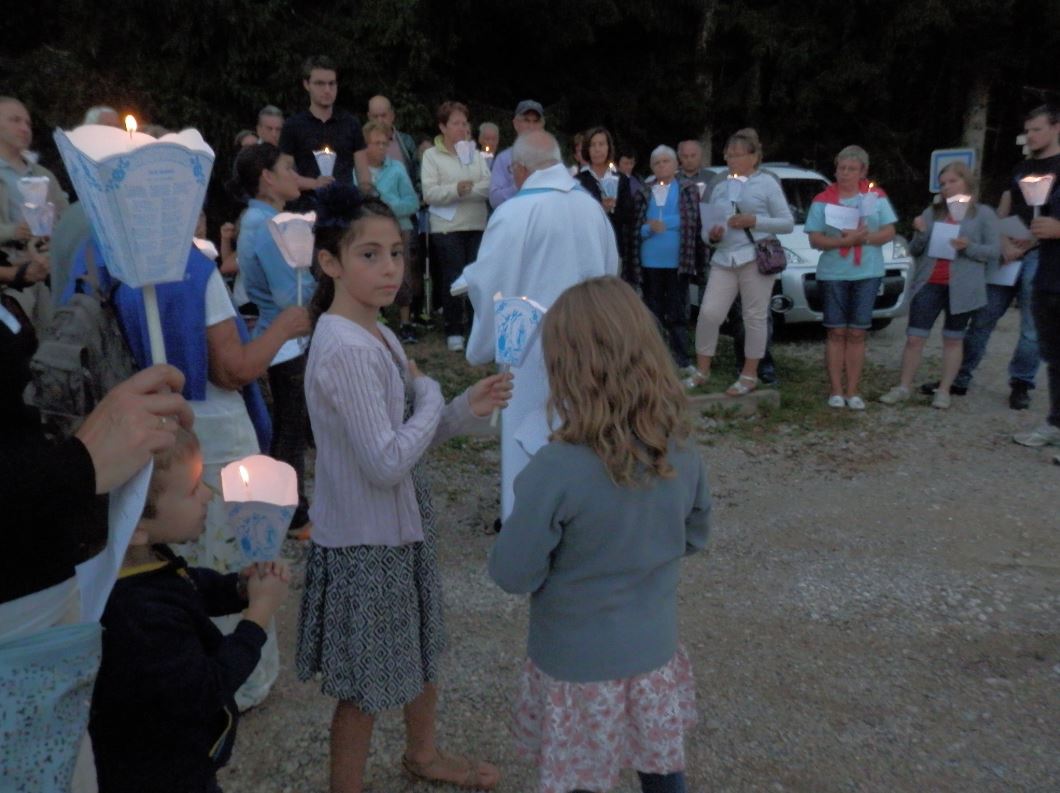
pixel 1045 300
pixel 323 125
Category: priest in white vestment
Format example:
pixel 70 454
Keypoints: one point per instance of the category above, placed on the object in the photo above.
pixel 549 236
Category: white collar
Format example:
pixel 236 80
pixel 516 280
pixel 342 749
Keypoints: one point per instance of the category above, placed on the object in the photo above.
pixel 555 177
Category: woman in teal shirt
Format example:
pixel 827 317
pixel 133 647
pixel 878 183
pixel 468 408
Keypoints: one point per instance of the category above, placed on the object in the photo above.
pixel 850 270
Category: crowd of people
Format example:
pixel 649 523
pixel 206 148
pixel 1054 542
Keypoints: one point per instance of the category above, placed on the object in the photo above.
pixel 595 443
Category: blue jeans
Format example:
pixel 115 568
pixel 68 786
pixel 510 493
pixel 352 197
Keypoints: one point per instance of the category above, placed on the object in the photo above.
pixel 658 783
pixel 1025 359
pixel 927 304
pixel 1047 316
pixel 848 304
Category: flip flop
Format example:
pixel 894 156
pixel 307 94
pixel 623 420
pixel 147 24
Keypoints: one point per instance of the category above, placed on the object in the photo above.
pixel 740 387
pixel 468 773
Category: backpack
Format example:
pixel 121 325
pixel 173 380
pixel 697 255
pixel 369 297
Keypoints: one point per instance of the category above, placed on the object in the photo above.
pixel 82 354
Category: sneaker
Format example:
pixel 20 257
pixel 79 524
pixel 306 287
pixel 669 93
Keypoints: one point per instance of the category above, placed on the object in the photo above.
pixel 1045 435
pixel 455 343
pixel 929 389
pixel 855 403
pixel 1020 398
pixel 941 401
pixel 897 394
pixel 407 334
pixel 837 401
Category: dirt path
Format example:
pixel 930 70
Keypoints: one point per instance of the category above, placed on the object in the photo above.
pixel 878 612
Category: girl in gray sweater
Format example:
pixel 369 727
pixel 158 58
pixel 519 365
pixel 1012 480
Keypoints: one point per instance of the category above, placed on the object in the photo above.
pixel 603 515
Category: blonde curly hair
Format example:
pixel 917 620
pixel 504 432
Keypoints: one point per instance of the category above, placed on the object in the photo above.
pixel 613 384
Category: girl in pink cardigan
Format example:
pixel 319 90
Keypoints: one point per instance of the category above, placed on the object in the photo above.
pixel 371 616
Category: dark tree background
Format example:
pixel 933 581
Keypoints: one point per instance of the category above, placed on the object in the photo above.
pixel 900 77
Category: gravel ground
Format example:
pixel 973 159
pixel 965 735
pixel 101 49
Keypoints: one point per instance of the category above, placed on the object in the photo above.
pixel 878 612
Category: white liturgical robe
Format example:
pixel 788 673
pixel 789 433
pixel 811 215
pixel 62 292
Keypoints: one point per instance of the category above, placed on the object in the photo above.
pixel 549 236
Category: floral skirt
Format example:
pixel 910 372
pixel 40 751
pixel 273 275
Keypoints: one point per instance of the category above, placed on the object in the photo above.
pixel 582 735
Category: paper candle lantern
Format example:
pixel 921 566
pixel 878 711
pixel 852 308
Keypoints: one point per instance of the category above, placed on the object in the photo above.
pixel 1036 189
pixel 868 201
pixel 516 323
pixel 702 188
pixel 36 209
pixel 325 161
pixel 609 186
pixel 958 206
pixel 260 496
pixel 34 189
pixel 465 150
pixel 293 235
pixel 659 192
pixel 142 197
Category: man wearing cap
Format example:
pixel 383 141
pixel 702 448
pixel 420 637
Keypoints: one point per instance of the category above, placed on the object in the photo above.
pixel 529 116
pixel 548 237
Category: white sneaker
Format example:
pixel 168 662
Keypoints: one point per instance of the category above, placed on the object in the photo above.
pixel 837 401
pixel 941 400
pixel 1045 435
pixel 855 403
pixel 897 394
pixel 454 343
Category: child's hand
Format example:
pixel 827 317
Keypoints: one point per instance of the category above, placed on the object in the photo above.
pixel 489 393
pixel 266 594
pixel 278 568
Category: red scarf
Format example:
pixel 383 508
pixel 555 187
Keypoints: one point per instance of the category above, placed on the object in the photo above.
pixel 830 195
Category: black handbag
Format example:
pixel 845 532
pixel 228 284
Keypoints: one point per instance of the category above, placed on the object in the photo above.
pixel 769 254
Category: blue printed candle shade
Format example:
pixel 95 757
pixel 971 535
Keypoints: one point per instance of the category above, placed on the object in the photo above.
pixel 259 528
pixel 609 186
pixel 260 496
pixel 142 196
pixel 516 323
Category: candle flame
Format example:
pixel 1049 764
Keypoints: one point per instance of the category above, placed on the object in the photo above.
pixel 244 474
pixel 130 124
pixel 327 150
pixel 871 185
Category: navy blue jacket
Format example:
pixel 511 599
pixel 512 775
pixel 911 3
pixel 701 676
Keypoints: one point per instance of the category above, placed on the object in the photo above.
pixel 163 711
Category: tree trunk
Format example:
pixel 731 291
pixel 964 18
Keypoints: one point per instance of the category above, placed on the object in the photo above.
pixel 705 75
pixel 975 119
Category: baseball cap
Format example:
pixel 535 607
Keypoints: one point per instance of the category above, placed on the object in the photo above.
pixel 529 106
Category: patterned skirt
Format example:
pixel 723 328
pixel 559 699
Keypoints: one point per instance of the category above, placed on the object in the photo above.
pixel 371 617
pixel 582 735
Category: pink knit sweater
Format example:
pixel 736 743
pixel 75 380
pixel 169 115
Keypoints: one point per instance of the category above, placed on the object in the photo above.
pixel 365 452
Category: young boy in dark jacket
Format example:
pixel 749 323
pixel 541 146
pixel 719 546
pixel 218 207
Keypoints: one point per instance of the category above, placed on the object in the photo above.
pixel 163 711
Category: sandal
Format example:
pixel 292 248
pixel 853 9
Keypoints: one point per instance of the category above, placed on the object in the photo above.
pixel 451 769
pixel 740 387
pixel 695 379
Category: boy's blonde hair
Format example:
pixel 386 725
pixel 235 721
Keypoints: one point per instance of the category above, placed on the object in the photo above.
pixel 613 385
pixel 187 444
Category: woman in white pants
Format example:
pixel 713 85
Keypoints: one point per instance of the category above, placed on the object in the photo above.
pixel 760 211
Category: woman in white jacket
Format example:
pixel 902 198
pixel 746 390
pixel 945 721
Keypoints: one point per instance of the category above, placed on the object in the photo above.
pixel 762 211
pixel 455 190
